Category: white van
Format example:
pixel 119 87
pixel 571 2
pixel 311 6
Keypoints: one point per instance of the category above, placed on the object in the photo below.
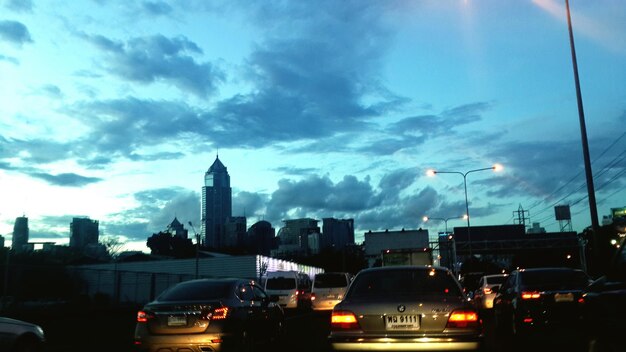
pixel 292 288
pixel 328 289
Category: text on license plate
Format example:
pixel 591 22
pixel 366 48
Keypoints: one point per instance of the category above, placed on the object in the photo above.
pixel 402 322
pixel 176 320
pixel 564 297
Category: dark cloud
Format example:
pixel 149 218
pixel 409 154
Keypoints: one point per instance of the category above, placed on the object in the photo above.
pixel 20 5
pixel 10 59
pixel 295 171
pixel 249 204
pixel 157 208
pixel 14 32
pixel 52 91
pixel 65 179
pixel 156 8
pixel 160 59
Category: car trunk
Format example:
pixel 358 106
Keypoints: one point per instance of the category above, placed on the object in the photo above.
pixel 184 318
pixel 403 316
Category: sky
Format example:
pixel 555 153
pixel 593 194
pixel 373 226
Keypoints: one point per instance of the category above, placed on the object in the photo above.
pixel 114 110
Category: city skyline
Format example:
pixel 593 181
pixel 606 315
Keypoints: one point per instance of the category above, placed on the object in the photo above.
pixel 114 110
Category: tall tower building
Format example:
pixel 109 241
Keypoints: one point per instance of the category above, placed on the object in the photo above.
pixel 83 232
pixel 216 204
pixel 20 234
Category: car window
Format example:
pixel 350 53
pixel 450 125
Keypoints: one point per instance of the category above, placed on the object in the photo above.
pixel 246 293
pixel 330 280
pixel 280 283
pixel 509 283
pixel 554 279
pixel 197 290
pixel 496 280
pixel 259 294
pixel 394 283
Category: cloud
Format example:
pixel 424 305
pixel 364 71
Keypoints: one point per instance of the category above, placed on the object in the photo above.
pixel 14 32
pixel 157 8
pixel 65 179
pixel 19 5
pixel 249 204
pixel 156 208
pixel 10 59
pixel 52 91
pixel 160 59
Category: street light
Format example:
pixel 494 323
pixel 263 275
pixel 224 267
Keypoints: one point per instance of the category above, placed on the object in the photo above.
pixel 445 220
pixel 197 246
pixel 496 167
pixel 452 247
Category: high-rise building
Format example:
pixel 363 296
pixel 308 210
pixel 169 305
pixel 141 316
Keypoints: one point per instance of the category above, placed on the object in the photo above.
pixel 216 204
pixel 338 233
pixel 83 232
pixel 20 234
pixel 261 238
pixel 177 229
pixel 234 232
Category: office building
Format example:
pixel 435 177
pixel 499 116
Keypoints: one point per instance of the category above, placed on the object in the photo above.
pixel 216 204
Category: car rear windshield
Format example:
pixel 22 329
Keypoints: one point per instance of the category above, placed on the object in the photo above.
pixel 198 291
pixel 495 280
pixel 554 279
pixel 280 283
pixel 402 283
pixel 330 280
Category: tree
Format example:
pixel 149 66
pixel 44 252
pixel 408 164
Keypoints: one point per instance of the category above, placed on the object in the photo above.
pixel 113 245
pixel 164 243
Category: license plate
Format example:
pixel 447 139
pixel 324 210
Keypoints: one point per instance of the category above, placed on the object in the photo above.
pixel 564 297
pixel 402 322
pixel 176 321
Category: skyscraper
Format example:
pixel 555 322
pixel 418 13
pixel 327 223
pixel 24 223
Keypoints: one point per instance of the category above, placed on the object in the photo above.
pixel 216 204
pixel 20 234
pixel 83 232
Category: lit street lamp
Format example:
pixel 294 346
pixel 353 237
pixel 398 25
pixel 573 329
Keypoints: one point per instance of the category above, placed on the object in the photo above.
pixel 496 167
pixel 445 220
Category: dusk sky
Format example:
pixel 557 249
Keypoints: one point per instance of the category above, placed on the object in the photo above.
pixel 115 109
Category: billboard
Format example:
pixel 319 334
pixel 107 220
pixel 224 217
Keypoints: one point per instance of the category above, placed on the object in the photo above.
pixel 562 212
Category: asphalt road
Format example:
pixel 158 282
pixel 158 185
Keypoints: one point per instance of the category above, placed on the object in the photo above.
pixel 112 330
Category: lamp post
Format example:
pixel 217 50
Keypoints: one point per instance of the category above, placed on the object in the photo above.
pixel 452 246
pixel 197 246
pixel 591 195
pixel 496 167
pixel 445 220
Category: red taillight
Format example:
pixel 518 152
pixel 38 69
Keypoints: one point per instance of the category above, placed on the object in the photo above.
pixel 343 320
pixel 487 290
pixel 463 319
pixel 142 317
pixel 219 313
pixel 531 295
pixel 312 296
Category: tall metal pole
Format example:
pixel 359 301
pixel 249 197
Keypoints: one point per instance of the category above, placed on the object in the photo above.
pixel 197 247
pixel 434 172
pixel 583 133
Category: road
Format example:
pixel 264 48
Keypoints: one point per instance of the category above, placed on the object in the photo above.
pixel 305 330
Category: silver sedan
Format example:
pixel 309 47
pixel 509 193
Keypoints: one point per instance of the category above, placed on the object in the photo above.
pixel 405 308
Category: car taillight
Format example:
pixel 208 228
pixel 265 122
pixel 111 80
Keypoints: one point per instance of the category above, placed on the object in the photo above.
pixel 343 320
pixel 531 295
pixel 487 290
pixel 463 319
pixel 142 317
pixel 219 313
pixel 312 296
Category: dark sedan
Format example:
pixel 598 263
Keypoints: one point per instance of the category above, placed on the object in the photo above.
pixel 209 315
pixel 605 307
pixel 405 308
pixel 540 300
